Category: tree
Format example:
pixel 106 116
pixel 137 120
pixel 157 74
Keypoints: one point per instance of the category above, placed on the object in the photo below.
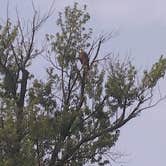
pixel 75 115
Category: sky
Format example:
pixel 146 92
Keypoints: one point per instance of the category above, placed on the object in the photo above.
pixel 141 33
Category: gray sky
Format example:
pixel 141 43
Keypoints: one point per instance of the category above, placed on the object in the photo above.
pixel 142 34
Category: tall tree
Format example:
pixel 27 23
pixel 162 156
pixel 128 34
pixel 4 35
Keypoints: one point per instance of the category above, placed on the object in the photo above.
pixel 17 50
pixel 74 117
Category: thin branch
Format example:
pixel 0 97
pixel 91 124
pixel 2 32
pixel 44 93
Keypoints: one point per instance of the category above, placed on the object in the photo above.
pixel 22 35
pixel 97 52
pixel 153 105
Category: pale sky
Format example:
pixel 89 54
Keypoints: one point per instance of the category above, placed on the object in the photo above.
pixel 141 27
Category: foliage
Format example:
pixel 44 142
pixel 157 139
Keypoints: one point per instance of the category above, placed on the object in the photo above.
pixel 75 115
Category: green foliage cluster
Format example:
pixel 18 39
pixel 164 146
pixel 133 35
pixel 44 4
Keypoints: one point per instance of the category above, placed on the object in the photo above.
pixel 75 115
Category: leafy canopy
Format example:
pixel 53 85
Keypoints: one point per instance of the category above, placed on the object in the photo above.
pixel 75 115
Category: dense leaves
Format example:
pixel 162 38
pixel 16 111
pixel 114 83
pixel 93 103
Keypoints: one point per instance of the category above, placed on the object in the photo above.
pixel 74 116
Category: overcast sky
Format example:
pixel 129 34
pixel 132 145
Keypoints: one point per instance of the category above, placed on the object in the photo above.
pixel 141 27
